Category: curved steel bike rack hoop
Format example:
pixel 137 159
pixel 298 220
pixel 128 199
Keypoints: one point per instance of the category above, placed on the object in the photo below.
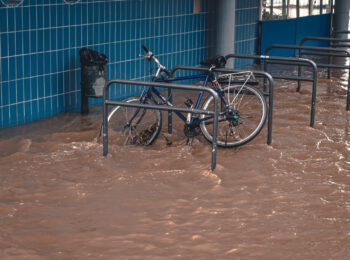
pixel 320 51
pixel 340 32
pixel 107 102
pixel 287 61
pixel 334 43
pixel 262 74
pixel 326 39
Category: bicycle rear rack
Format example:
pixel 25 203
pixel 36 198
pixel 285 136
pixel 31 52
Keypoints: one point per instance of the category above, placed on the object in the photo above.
pixel 288 61
pixel 260 74
pixel 107 103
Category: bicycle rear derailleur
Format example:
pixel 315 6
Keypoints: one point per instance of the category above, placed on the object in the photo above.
pixel 232 116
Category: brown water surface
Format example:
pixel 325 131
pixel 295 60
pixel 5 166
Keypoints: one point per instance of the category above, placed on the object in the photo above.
pixel 60 199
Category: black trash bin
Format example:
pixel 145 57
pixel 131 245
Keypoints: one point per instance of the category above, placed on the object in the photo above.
pixel 93 76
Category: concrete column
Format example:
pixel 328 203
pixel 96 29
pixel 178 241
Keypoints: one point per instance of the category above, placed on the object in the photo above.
pixel 341 16
pixel 222 26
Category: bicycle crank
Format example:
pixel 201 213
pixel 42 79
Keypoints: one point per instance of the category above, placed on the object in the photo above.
pixel 192 130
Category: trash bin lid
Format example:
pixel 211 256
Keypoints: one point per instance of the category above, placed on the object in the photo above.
pixel 92 57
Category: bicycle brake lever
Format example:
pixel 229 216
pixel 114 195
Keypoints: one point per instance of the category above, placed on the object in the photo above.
pixel 148 56
pixel 143 56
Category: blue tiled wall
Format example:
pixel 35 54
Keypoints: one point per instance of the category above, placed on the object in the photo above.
pixel 246 30
pixel 40 42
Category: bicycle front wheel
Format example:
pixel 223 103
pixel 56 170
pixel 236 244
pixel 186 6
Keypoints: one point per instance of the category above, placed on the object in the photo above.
pixel 242 114
pixel 133 125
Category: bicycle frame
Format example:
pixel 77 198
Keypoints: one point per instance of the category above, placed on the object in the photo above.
pixel 193 120
pixel 205 76
pixel 108 103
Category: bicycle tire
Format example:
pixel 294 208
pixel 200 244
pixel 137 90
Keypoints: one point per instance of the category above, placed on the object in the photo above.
pixel 252 113
pixel 143 132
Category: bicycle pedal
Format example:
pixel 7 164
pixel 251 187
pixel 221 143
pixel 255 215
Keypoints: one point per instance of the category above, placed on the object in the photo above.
pixel 188 102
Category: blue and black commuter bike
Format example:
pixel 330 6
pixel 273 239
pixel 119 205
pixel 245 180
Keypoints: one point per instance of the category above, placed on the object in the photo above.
pixel 242 108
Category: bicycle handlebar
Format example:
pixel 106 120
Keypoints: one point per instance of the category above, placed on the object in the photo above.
pixel 150 56
pixel 145 49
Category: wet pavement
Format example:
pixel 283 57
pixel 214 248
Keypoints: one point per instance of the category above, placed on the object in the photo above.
pixel 60 199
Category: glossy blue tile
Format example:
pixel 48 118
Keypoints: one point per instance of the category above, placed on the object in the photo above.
pixel 12 92
pixel 35 110
pixel 12 68
pixel 65 40
pixel 41 108
pixel 10 14
pixel 20 113
pixel 33 40
pixel 11 44
pixel 6 116
pixel 18 21
pixel 33 65
pixel 41 87
pixel 54 105
pixel 25 18
pixel 53 83
pixel 13 115
pixel 20 91
pixel 1 118
pixel 4 69
pixel 34 88
pixel 25 44
pixel 46 16
pixel 26 66
pixel 5 93
pixel 3 20
pixel 48 106
pixel 61 104
pixel 46 37
pixel 27 112
pixel 27 90
pixel 46 62
pixel 40 40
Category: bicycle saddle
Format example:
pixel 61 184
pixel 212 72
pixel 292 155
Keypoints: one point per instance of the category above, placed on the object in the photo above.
pixel 217 61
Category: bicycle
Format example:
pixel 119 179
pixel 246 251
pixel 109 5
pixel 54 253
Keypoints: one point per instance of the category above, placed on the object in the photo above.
pixel 243 108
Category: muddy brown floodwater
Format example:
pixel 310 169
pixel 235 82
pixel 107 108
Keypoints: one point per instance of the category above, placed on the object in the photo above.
pixel 60 199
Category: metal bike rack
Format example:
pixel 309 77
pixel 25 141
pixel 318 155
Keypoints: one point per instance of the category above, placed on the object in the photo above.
pixel 107 103
pixel 334 43
pixel 340 32
pixel 287 61
pixel 320 51
pixel 222 70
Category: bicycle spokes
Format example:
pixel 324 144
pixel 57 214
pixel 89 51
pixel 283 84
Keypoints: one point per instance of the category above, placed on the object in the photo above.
pixel 242 116
pixel 238 93
pixel 135 125
pixel 140 137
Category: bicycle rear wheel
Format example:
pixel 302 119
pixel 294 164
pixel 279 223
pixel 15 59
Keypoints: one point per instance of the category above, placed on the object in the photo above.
pixel 241 116
pixel 133 125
